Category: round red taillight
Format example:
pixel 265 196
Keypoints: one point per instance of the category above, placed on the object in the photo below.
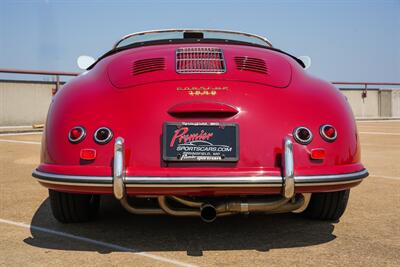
pixel 103 135
pixel 76 134
pixel 302 135
pixel 328 132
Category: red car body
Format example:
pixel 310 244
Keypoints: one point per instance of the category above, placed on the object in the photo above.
pixel 135 91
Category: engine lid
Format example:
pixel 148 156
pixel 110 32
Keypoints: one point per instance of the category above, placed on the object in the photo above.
pixel 206 61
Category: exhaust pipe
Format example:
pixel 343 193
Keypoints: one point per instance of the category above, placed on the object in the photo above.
pixel 208 213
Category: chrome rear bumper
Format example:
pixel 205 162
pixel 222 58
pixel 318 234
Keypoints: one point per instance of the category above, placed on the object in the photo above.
pixel 289 201
pixel 256 181
pixel 288 182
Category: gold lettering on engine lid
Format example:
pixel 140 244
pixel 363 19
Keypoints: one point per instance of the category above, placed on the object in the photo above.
pixel 202 90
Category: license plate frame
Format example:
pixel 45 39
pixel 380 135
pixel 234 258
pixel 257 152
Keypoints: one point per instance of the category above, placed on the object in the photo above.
pixel 214 142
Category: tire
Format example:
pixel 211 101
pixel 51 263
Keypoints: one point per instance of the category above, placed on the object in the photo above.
pixel 73 208
pixel 327 206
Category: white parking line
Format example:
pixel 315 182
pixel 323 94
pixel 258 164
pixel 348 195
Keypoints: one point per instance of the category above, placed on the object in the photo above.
pixel 385 177
pixel 20 142
pixel 16 134
pixel 16 127
pixel 96 242
pixel 375 127
pixel 382 133
pixel 383 121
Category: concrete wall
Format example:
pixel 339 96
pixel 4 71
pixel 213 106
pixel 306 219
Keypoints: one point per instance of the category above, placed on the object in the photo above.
pixel 363 107
pixel 396 103
pixel 27 102
pixel 384 103
pixel 24 103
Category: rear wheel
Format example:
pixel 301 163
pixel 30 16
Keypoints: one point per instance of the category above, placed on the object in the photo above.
pixel 72 208
pixel 327 206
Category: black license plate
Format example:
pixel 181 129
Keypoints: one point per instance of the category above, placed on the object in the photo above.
pixel 200 141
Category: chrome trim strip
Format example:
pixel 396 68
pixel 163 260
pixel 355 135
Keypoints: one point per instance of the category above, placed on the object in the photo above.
pixel 242 181
pixel 263 39
pixel 205 185
pixel 73 184
pixel 329 183
pixel 277 180
pixel 346 177
pixel 73 179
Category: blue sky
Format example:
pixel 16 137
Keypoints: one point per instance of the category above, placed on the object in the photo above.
pixel 347 40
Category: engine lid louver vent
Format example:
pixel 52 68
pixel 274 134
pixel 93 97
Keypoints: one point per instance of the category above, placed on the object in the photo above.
pixel 148 65
pixel 251 64
pixel 200 60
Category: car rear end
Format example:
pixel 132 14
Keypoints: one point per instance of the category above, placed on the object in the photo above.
pixel 204 129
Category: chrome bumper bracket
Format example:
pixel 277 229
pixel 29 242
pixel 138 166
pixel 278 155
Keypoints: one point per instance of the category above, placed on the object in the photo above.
pixel 119 169
pixel 288 182
pixel 288 168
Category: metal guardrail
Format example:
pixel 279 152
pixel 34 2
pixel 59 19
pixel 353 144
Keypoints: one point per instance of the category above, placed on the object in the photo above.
pixel 364 85
pixel 39 72
pixel 57 74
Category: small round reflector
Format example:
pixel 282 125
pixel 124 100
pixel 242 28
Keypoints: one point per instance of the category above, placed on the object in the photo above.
pixel 103 135
pixel 328 132
pixel 76 134
pixel 302 135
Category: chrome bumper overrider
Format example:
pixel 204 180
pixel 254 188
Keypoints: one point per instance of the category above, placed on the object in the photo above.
pixel 289 200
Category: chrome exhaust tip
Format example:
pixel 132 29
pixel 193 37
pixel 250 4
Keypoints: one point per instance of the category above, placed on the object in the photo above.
pixel 208 213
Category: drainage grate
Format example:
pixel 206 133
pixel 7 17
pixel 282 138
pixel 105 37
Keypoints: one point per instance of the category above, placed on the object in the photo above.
pixel 200 60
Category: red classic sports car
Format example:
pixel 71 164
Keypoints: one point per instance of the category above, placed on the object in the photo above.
pixel 202 123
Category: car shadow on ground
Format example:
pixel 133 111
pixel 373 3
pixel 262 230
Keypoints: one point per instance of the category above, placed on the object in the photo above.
pixel 165 233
